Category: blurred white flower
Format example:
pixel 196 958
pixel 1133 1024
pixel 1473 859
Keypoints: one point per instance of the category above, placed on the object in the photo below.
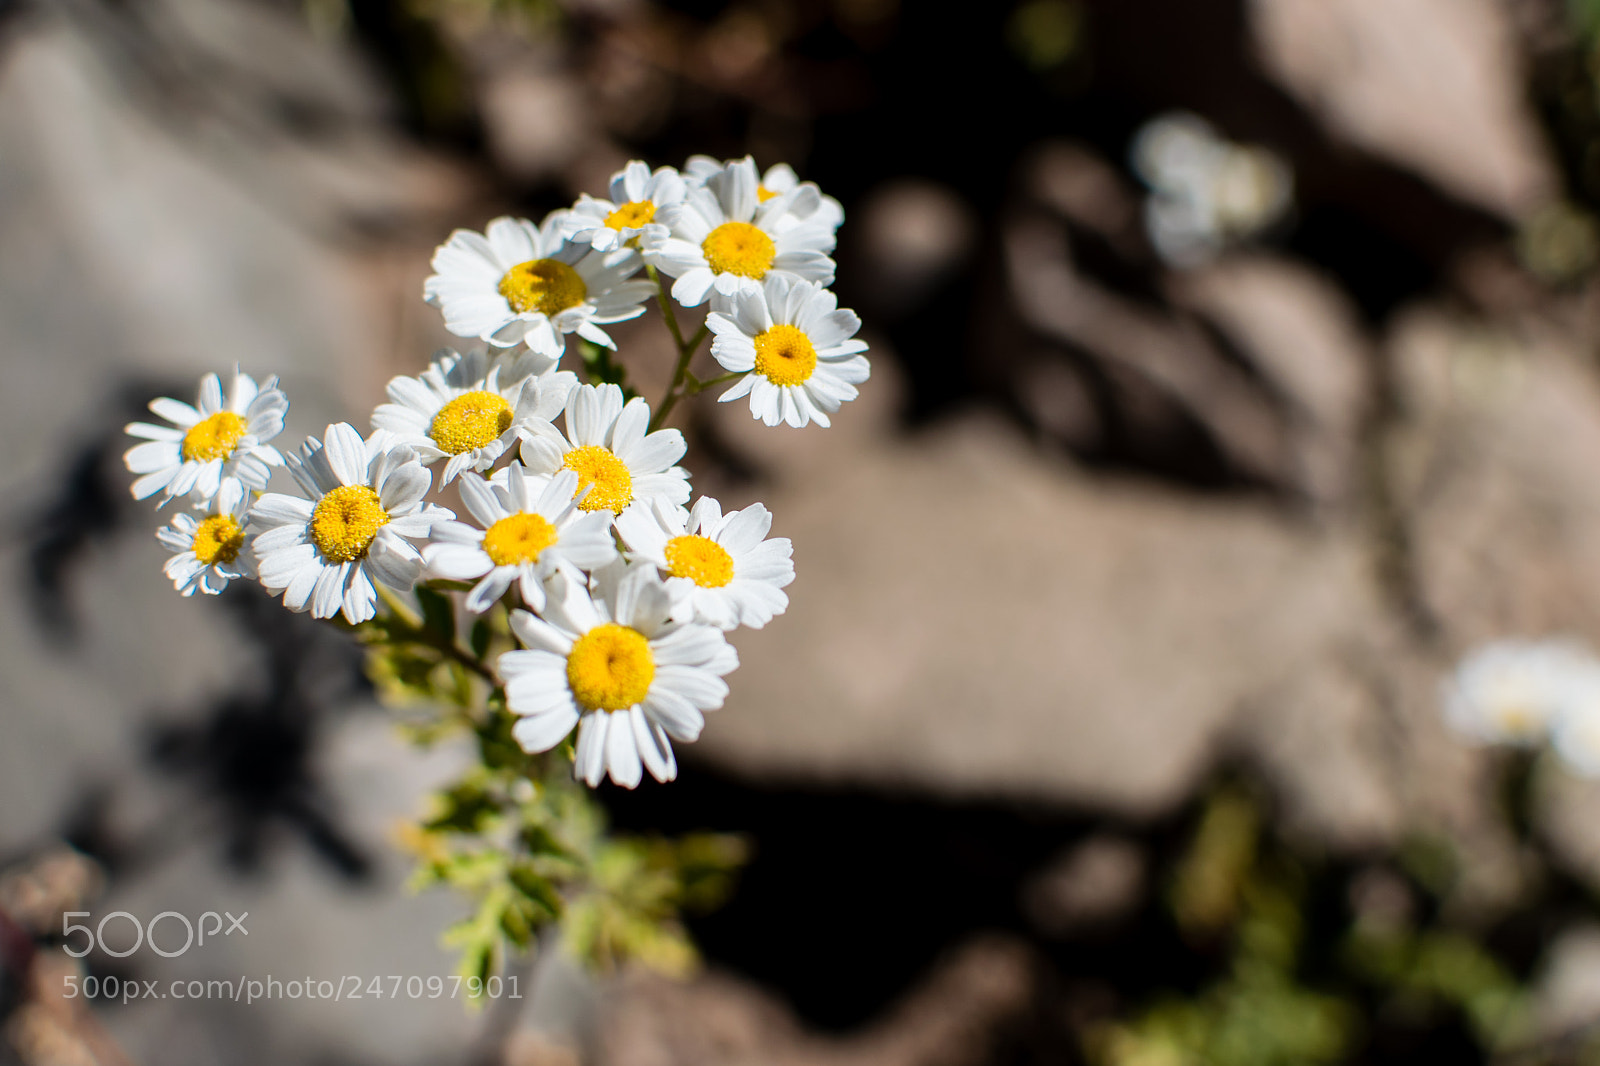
pixel 1206 191
pixel 1511 691
pixel 1575 734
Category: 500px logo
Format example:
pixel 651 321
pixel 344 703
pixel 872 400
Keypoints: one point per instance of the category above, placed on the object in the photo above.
pixel 142 934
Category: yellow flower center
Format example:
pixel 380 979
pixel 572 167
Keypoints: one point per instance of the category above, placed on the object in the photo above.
pixel 597 466
pixel 545 285
pixel 785 355
pixel 1519 719
pixel 739 248
pixel 764 194
pixel 469 421
pixel 632 215
pixel 518 539
pixel 701 560
pixel 218 540
pixel 214 437
pixel 345 521
pixel 610 668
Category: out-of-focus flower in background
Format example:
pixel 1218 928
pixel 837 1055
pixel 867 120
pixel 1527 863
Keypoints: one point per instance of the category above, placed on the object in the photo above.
pixel 1510 692
pixel 1206 192
pixel 1524 693
pixel 1575 733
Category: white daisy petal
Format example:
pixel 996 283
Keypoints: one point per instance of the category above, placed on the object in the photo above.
pixel 491 588
pixel 622 753
pixel 589 765
pixel 542 732
pixel 455 562
pixel 653 746
pixel 178 413
pixel 360 597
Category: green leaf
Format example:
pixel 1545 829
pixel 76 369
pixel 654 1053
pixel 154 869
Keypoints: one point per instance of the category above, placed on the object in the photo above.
pixel 438 612
pixel 537 889
pixel 539 840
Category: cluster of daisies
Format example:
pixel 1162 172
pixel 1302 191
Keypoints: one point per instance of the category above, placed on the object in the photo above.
pixel 1525 693
pixel 755 246
pixel 577 516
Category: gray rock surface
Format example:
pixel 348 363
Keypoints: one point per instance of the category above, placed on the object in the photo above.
pixel 183 270
pixel 947 1020
pixel 1435 85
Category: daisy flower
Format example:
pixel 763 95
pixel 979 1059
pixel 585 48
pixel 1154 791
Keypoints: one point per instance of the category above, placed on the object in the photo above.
pixel 722 569
pixel 1575 733
pixel 217 439
pixel 529 527
pixel 615 663
pixel 794 347
pixel 1509 692
pixel 471 408
pixel 521 282
pixel 363 498
pixel 636 196
pixel 211 545
pixel 777 181
pixel 607 446
pixel 724 237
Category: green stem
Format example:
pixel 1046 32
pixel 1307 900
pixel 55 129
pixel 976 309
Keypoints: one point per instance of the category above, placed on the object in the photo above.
pixel 666 307
pixel 420 634
pixel 696 387
pixel 686 349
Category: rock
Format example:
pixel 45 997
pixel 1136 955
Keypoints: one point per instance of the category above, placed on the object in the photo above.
pixel 537 120
pixel 1567 990
pixel 1495 467
pixel 1171 356
pixel 1435 85
pixel 1306 339
pixel 1565 810
pixel 1084 188
pixel 912 235
pixel 972 618
pixel 950 1019
pixel 1091 884
pixel 131 252
pixel 1325 739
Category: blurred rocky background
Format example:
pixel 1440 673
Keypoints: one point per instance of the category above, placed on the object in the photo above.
pixel 1235 371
